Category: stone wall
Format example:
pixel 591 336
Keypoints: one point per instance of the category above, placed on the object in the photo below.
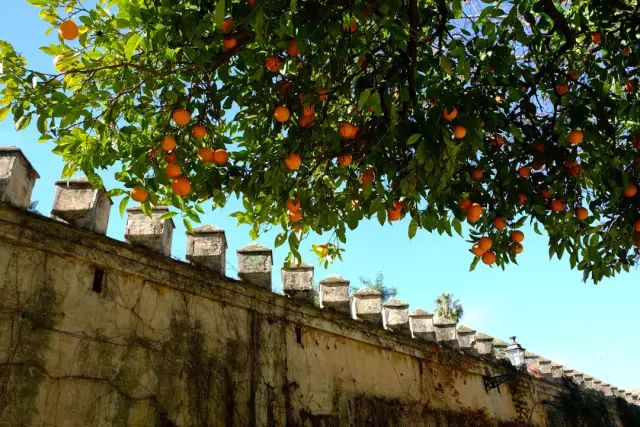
pixel 97 332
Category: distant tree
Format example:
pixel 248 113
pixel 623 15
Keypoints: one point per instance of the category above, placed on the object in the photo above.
pixel 387 292
pixel 448 308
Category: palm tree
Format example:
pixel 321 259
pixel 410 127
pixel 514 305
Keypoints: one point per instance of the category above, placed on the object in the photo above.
pixel 448 308
pixel 386 291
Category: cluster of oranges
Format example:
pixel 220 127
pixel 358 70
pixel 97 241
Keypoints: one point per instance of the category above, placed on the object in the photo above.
pixel 459 131
pixel 294 210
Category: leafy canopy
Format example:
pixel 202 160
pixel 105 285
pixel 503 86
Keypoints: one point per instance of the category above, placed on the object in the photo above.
pixel 521 76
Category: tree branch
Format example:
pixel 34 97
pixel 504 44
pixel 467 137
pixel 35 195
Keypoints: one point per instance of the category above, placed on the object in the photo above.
pixel 412 50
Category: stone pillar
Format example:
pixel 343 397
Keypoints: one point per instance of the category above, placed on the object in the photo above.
pixel 395 316
pixel 366 305
pixel 254 265
pixel 297 282
pixel 483 344
pixel 578 378
pixel 597 384
pixel 556 370
pixel 17 177
pixel 530 359
pixel 588 382
pixel 466 337
pixel 606 389
pixel 334 294
pixel 421 324
pixel 614 391
pixel 568 373
pixel 499 348
pixel 628 396
pixel 445 332
pixel 207 248
pixel 152 233
pixel 545 366
pixel 77 203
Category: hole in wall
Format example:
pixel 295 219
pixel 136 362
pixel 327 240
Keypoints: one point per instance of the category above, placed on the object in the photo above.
pixel 98 276
pixel 298 330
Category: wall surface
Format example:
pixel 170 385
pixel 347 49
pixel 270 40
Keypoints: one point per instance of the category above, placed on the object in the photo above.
pixel 95 332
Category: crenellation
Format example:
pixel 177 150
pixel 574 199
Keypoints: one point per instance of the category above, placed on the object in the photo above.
pixel 254 265
pixel 446 332
pixel 78 203
pixel 421 325
pixel 297 282
pixel 466 337
pixel 334 294
pixel 207 248
pixel 17 177
pixel 395 316
pixel 483 344
pixel 153 232
pixel 366 305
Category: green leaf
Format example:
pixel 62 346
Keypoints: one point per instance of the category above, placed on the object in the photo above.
pixel 219 13
pixel 413 138
pixel 132 44
pixel 123 205
pixel 4 111
pixel 168 215
pixel 413 228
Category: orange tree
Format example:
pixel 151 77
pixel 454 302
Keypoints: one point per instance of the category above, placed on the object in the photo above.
pixel 321 113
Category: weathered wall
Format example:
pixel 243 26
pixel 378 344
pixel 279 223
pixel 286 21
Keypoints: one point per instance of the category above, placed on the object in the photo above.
pixel 94 332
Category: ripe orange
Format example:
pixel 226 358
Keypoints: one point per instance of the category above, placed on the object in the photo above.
pixel 199 131
pixel 367 177
pixel 293 161
pixel 489 258
pixel 139 194
pixel 517 236
pixel 220 157
pixel 205 154
pixel 522 198
pixel 168 143
pixel 596 37
pixel 524 172
pixel 485 243
pixel 251 3
pixel 573 75
pixel 636 225
pixel 500 223
pixel 295 216
pixel 293 205
pixel 630 191
pixel 459 131
pixel 281 114
pixel 450 115
pixel 227 25
pixel 292 48
pixel 575 137
pixel 323 94
pixel 496 141
pixel 272 63
pixel 181 117
pixel 68 30
pixel 170 157
pixel 626 52
pixel 476 250
pixel 308 110
pixel 557 205
pixel 477 174
pixel 539 147
pixel 173 170
pixel 348 131
pixel 464 204
pixel 394 213
pixel 345 159
pixel 562 89
pixel 545 193
pixel 581 213
pixel 305 121
pixel 181 186
pixel 474 213
pixel 229 43
pixel 629 86
pixel 350 28
pixel 516 248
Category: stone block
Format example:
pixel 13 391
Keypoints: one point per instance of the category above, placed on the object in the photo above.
pixel 483 344
pixel 588 382
pixel 153 232
pixel 78 203
pixel 578 377
pixel 395 316
pixel 499 349
pixel 254 265
pixel 557 370
pixel 466 337
pixel 334 293
pixel 366 305
pixel 530 359
pixel 421 324
pixel 446 333
pixel 297 282
pixel 17 177
pixel 207 248
pixel 545 366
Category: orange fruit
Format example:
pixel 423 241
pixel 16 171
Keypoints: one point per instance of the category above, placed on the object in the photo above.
pixel 517 236
pixel 500 223
pixel 227 25
pixel 181 186
pixel 477 250
pixel 305 121
pixel 557 205
pixel 636 225
pixel 581 213
pixel 229 43
pixel 350 28
pixel 630 191
pixel 172 170
pixel 516 248
pixel 205 154
pixel 323 94
pixel 485 243
pixel 474 213
pixel 573 75
pixel 281 114
pixel 562 89
pixel 522 198
pixel 539 147
pixel 496 141
pixel 345 159
pixel 293 161
pixel 477 174
pixel 139 194
pixel 489 258
pixel 295 216
pixel 68 30
pixel 545 193
pixel 272 63
pixel 450 115
pixel 629 86
pixel 251 3
pixel 308 110
pixel 170 157
pixel 626 52
pixel 464 204
pixel 220 157
pixel 168 143
pixel 199 131
pixel 292 48
pixel 355 204
pixel 181 117
pixel 459 131
pixel 575 137
pixel 293 205
pixel 348 131
pixel 596 37
pixel 524 172
pixel 368 177
pixel 394 213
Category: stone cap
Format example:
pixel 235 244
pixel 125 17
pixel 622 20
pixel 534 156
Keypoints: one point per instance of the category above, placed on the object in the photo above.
pixel 597 381
pixel 154 209
pixel 367 291
pixel 418 312
pixel 439 321
pixel 295 266
pixel 484 337
pixel 545 361
pixel 395 303
pixel 557 365
pixel 497 342
pixel 529 355
pixel 76 183
pixel 333 280
pixel 588 377
pixel 206 229
pixel 254 248
pixel 462 329
pixel 12 149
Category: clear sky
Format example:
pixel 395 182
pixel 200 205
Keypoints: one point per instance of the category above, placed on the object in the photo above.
pixel 589 328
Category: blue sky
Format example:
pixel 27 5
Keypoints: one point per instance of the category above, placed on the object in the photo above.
pixel 554 314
